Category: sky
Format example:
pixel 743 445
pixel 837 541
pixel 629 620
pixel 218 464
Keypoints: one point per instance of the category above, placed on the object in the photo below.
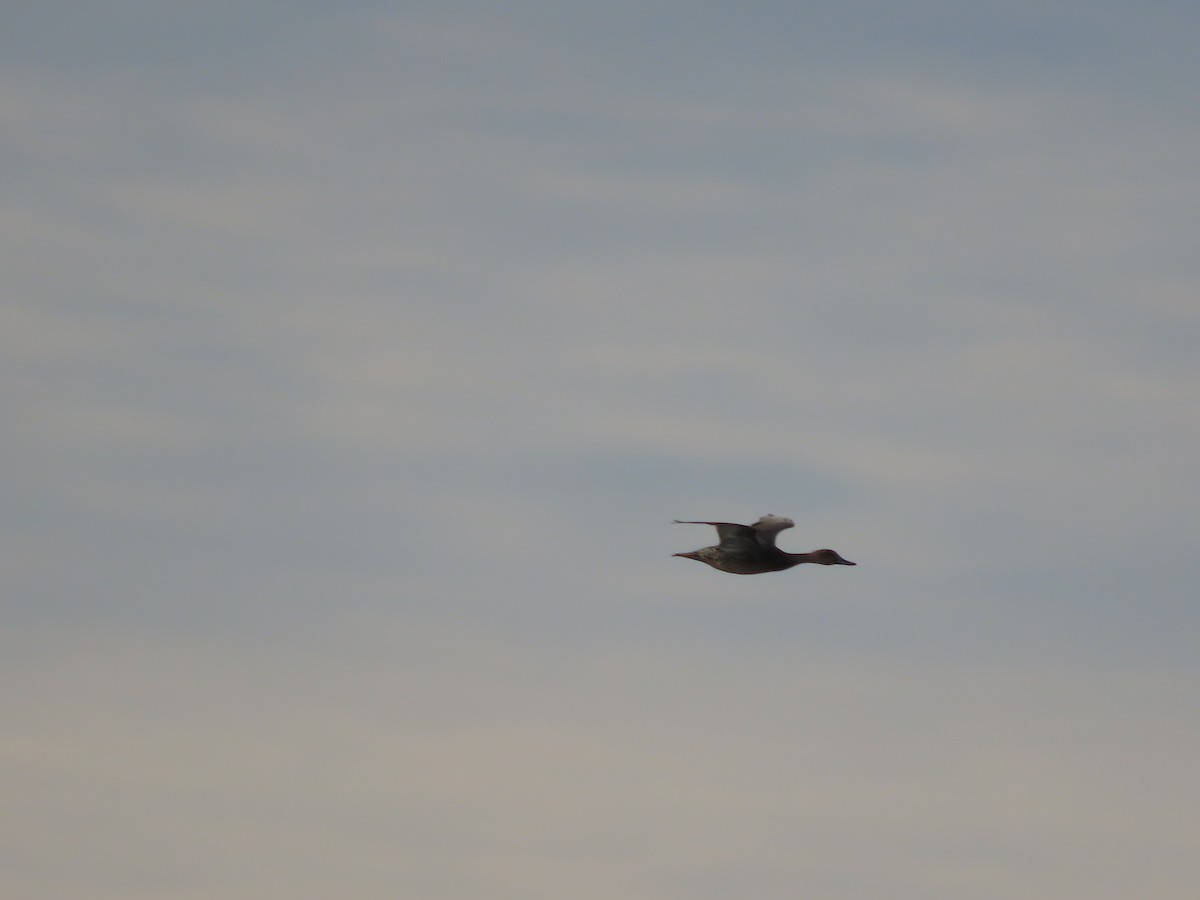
pixel 356 358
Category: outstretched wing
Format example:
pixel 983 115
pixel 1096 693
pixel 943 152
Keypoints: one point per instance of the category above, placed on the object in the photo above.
pixel 731 535
pixel 767 528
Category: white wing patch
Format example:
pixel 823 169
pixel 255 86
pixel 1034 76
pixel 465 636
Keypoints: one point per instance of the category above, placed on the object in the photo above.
pixel 769 526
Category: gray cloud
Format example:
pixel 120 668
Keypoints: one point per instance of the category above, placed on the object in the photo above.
pixel 351 387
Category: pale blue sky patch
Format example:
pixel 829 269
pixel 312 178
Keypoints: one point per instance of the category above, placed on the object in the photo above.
pixel 355 361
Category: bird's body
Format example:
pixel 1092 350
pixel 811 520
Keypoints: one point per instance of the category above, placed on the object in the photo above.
pixel 751 550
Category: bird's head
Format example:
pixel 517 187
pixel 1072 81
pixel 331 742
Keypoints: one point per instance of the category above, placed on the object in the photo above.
pixel 830 558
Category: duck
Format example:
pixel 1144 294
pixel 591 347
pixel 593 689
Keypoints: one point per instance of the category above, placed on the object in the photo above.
pixel 751 550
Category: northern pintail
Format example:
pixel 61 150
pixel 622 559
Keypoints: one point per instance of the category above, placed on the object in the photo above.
pixel 750 549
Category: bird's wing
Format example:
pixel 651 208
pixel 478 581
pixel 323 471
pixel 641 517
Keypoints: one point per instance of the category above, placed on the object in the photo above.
pixel 767 528
pixel 731 535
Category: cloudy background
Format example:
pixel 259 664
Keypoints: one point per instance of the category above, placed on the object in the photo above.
pixel 356 358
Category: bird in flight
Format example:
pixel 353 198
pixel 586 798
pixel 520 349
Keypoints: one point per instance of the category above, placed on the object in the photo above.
pixel 750 549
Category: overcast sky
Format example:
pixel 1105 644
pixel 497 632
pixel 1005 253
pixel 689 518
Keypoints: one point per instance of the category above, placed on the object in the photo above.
pixel 356 358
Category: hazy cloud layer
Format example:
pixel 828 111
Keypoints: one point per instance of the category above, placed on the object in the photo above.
pixel 355 363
